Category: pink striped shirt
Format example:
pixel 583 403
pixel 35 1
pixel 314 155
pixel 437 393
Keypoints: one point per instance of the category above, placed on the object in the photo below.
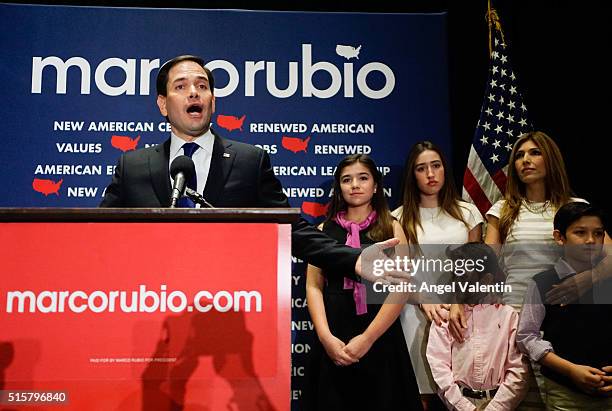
pixel 488 358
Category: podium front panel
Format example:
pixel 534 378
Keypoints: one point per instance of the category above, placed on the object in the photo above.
pixel 148 316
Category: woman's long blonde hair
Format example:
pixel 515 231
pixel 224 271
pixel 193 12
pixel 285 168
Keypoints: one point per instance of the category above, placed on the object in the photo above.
pixel 558 191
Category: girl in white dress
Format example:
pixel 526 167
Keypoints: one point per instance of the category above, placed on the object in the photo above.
pixel 431 213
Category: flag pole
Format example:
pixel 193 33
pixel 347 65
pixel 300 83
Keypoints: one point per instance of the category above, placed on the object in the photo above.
pixel 493 21
pixel 503 117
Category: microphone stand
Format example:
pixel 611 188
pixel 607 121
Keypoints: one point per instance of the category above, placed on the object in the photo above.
pixel 197 198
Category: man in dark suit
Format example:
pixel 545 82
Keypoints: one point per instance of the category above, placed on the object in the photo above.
pixel 228 173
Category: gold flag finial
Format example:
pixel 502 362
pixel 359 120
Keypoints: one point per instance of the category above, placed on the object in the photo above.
pixel 493 21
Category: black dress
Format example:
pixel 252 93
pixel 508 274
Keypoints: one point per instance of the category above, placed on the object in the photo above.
pixel 383 380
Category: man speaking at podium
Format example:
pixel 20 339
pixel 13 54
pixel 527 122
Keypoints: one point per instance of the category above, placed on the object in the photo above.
pixel 228 173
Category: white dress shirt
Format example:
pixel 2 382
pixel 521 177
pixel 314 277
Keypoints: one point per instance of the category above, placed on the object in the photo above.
pixel 201 157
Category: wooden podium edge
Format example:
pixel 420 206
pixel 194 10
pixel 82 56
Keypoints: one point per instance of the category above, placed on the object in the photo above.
pixel 228 215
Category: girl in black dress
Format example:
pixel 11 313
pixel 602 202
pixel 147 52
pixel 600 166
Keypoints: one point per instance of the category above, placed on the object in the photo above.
pixel 362 362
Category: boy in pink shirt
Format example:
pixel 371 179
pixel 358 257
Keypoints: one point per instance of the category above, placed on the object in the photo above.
pixel 486 370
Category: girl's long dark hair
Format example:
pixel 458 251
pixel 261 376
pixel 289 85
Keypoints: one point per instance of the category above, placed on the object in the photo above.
pixel 448 198
pixel 382 228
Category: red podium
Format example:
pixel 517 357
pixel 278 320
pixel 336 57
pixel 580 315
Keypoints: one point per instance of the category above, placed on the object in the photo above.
pixel 146 309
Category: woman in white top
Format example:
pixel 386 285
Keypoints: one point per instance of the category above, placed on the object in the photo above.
pixel 431 213
pixel 522 223
pixel 537 187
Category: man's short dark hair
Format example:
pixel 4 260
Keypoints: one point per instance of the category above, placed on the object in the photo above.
pixel 162 74
pixel 572 212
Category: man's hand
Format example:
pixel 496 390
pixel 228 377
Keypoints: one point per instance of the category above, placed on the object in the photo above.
pixel 358 346
pixel 458 323
pixel 570 289
pixel 436 312
pixel 335 350
pixel 588 379
pixel 364 264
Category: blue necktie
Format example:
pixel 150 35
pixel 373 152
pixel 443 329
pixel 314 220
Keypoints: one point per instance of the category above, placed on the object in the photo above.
pixel 186 202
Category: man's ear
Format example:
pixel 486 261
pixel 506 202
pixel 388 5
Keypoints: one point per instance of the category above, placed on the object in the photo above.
pixel 161 103
pixel 559 238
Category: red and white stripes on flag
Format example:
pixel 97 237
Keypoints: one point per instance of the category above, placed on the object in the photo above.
pixel 503 118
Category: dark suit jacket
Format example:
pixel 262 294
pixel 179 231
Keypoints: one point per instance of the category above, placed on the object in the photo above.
pixel 240 176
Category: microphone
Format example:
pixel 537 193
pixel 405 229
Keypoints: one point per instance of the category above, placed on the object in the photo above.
pixel 182 170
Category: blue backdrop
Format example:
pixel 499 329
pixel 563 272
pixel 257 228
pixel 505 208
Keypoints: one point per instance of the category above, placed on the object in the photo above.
pixel 79 88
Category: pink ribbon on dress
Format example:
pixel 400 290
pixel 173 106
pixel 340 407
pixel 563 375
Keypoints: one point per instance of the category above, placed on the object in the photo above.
pixel 352 240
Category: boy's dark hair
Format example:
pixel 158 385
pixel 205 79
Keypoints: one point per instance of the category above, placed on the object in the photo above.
pixel 477 251
pixel 488 258
pixel 572 212
pixel 162 75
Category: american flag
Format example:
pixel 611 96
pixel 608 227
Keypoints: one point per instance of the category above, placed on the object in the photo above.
pixel 503 118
